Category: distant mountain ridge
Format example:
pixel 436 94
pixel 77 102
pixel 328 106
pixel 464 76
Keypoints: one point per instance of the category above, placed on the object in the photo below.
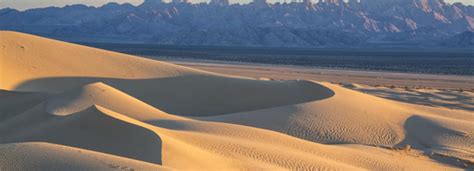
pixel 330 23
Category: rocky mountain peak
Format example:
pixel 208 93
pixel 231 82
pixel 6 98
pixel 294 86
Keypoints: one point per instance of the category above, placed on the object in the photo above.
pixel 299 23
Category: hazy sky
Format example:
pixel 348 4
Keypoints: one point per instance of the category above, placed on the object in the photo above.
pixel 26 4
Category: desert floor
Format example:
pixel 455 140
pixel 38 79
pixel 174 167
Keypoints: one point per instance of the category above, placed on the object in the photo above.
pixel 69 107
pixel 455 92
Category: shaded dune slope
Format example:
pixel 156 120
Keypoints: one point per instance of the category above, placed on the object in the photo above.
pixel 170 141
pixel 178 97
pixel 12 103
pixel 31 58
pixel 47 156
pixel 94 128
pixel 149 114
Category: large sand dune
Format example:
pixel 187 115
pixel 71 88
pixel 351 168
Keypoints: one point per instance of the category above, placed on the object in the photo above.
pixel 65 106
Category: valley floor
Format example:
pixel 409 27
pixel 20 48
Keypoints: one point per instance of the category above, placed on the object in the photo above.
pixel 455 92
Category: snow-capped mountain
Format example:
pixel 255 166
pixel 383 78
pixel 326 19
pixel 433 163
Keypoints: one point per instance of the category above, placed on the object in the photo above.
pixel 329 23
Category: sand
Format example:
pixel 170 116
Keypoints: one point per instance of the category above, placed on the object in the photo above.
pixel 450 91
pixel 65 106
pixel 289 72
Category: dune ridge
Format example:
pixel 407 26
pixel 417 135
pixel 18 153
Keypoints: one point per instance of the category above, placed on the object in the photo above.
pixel 136 113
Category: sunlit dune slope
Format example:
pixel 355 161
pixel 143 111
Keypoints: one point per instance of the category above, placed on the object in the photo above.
pixel 136 113
pixel 32 57
pixel 351 117
pixel 156 137
pixel 40 67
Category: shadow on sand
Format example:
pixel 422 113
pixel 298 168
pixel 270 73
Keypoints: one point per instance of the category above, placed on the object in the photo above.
pixel 93 129
pixel 448 99
pixel 426 135
pixel 197 95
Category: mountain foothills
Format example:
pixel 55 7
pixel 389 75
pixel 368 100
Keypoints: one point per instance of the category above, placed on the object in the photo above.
pixel 330 23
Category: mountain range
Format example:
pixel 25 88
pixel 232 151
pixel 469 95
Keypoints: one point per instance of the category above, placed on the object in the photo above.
pixel 329 23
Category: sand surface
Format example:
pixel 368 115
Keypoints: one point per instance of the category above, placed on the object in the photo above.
pixel 454 92
pixel 65 106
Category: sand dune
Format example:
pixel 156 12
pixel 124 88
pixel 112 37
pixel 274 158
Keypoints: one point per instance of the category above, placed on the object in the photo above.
pixel 12 103
pixel 46 156
pixel 365 119
pixel 65 106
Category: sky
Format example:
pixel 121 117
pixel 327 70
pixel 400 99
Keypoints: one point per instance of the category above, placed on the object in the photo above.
pixel 27 4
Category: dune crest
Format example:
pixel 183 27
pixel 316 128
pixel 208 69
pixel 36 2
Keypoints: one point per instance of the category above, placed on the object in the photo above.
pixel 33 57
pixel 134 113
